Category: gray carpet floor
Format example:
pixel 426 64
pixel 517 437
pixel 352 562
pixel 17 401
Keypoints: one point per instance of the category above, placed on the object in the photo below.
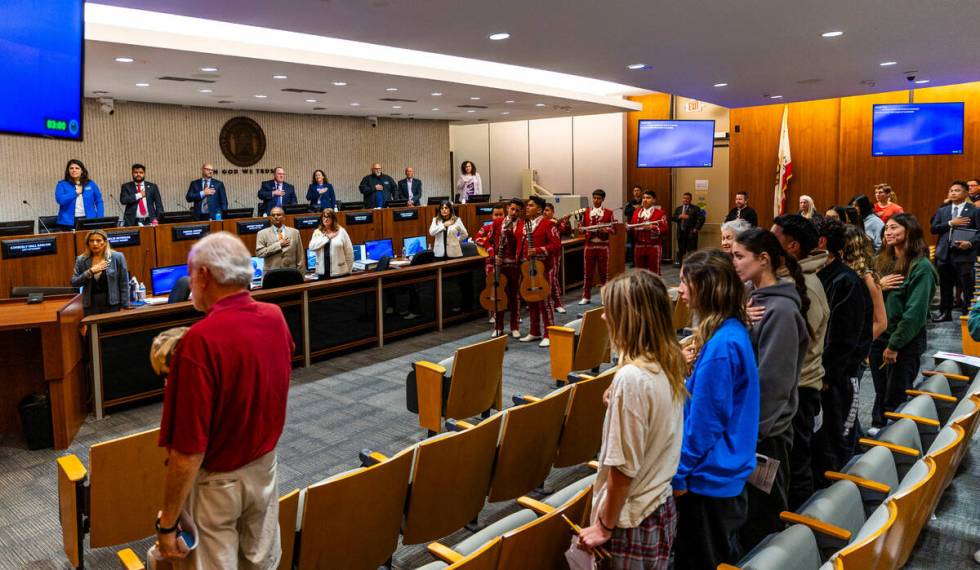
pixel 339 406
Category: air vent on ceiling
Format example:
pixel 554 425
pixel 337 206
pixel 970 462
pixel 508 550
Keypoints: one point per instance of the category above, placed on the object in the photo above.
pixel 295 90
pixel 809 81
pixel 100 92
pixel 319 108
pixel 396 100
pixel 396 114
pixel 223 102
pixel 472 107
pixel 185 79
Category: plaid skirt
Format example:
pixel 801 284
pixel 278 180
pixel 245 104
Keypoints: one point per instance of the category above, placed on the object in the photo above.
pixel 647 546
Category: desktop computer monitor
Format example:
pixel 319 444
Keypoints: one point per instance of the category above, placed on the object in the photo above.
pixel 18 228
pixel 413 245
pixel 376 249
pixel 258 267
pixel 359 252
pixel 162 279
pixel 310 261
pixel 96 223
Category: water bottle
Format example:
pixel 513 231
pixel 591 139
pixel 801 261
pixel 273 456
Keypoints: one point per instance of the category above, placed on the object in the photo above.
pixel 134 286
pixel 217 216
pixel 141 294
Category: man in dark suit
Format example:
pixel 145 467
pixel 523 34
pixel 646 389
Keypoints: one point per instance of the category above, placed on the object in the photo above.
pixel 410 188
pixel 141 198
pixel 689 220
pixel 376 187
pixel 276 192
pixel 742 210
pixel 207 195
pixel 955 258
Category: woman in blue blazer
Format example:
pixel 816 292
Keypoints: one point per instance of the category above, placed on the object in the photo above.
pixel 320 194
pixel 102 274
pixel 75 185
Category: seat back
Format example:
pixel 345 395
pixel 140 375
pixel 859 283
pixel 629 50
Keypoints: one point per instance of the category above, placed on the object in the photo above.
pixel 451 475
pixel 864 552
pixel 288 506
pixel 905 433
pixel 542 542
pixel 581 435
pixel 181 291
pixel 681 316
pixel 71 506
pixel 923 408
pixel 281 277
pixel 484 558
pixel 910 501
pixel 527 445
pixel 792 549
pixel 965 415
pixel 352 520
pixel 477 375
pixel 944 451
pixel 592 348
pixel 125 488
pixel 840 505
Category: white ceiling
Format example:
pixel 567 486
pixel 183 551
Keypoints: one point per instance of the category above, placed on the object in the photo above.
pixel 758 47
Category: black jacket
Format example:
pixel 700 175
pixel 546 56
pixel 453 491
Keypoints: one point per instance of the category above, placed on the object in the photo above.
pixel 747 214
pixel 945 253
pixel 268 200
pixel 695 218
pixel 366 187
pixel 154 202
pixel 849 328
pixel 217 202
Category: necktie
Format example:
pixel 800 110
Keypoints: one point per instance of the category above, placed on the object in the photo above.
pixel 279 231
pixel 142 201
pixel 278 198
pixel 205 184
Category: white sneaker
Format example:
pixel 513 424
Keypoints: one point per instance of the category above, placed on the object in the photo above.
pixel 530 337
pixel 545 342
pixel 585 301
pixel 873 431
pixel 410 316
pixel 976 556
pixel 496 333
pixel 560 310
pixel 492 320
pixel 515 334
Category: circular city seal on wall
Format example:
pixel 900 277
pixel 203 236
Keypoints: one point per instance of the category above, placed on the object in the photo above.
pixel 242 141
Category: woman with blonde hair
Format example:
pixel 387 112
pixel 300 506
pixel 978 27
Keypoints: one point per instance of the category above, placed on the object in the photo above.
pixel 808 209
pixel 633 510
pixel 102 274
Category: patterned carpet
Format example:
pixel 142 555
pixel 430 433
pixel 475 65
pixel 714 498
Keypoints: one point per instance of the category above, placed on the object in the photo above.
pixel 342 405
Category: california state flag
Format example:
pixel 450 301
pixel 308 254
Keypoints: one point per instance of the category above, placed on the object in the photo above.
pixel 784 167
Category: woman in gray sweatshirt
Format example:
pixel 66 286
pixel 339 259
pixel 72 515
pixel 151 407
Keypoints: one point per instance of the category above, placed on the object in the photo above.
pixel 780 340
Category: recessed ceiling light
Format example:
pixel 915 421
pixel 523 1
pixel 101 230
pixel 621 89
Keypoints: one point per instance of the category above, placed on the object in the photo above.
pixel 509 101
pixel 340 83
pixel 435 109
pixel 260 96
pixel 505 113
pixel 635 66
pixel 396 106
pixel 887 63
pixel 204 90
pixel 921 81
pixel 436 94
pixel 280 77
pixel 311 101
pixel 209 69
pixel 471 111
pixel 355 104
pixel 142 84
pixel 721 85
pixel 776 97
pixel 539 104
pixel 124 60
pixel 833 34
pixel 474 98
pixel 392 89
pixel 499 36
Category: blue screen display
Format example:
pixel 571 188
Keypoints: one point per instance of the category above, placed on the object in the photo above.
pixel 162 279
pixel 917 129
pixel 675 144
pixel 258 265
pixel 41 63
pixel 310 260
pixel 376 249
pixel 413 245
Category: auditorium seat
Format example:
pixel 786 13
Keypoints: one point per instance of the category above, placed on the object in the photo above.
pixel 835 514
pixel 937 388
pixel 484 558
pixel 922 411
pixel 465 385
pixel 281 277
pixel 582 344
pixel 681 317
pixel 945 451
pixel 792 549
pixel 874 473
pixel 910 502
pixel 865 551
pixel 902 438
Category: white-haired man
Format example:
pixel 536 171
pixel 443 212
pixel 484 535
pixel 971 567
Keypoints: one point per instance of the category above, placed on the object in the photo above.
pixel 223 412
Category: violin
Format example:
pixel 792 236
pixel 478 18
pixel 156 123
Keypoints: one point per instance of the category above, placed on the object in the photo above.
pixel 534 280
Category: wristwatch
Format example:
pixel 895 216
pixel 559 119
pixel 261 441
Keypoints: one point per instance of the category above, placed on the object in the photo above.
pixel 170 530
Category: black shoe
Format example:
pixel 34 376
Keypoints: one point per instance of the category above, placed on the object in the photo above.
pixel 943 317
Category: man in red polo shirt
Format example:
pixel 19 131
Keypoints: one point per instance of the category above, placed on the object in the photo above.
pixel 223 412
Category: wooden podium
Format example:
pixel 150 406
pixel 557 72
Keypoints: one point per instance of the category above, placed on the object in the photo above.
pixel 41 350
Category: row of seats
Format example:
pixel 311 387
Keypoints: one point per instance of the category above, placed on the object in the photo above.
pixel 871 516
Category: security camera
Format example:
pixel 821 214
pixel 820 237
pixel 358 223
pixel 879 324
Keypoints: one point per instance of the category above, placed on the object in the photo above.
pixel 910 76
pixel 374 121
pixel 107 105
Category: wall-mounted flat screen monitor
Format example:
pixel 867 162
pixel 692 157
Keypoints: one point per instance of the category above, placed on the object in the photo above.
pixel 41 60
pixel 917 129
pixel 162 279
pixel 675 144
pixel 413 245
pixel 378 248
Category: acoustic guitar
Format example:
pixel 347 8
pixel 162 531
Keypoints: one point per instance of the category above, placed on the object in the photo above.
pixel 534 279
pixel 494 295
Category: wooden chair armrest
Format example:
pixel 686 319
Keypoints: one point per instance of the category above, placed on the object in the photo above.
pixel 458 425
pixel 444 553
pixel 816 525
pixel 892 446
pixel 428 386
pixel 916 419
pixel 859 481
pixel 727 567
pixel 534 505
pixel 933 395
pixel 560 330
pixel 129 560
pixel 73 468
pixel 594 465
pixel 949 375
pixel 369 458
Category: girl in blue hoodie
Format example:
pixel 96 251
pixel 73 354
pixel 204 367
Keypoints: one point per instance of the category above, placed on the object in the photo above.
pixel 721 418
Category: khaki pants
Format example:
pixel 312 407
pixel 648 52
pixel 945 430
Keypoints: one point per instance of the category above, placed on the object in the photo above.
pixel 237 517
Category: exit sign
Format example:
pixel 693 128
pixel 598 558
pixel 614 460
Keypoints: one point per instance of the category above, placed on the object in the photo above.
pixel 694 106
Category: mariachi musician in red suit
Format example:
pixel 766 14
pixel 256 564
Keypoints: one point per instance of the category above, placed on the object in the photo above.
pixel 596 243
pixel 502 237
pixel 648 225
pixel 564 230
pixel 546 248
pixel 486 237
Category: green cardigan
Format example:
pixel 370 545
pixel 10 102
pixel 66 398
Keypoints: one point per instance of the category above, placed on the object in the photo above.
pixel 908 306
pixel 973 323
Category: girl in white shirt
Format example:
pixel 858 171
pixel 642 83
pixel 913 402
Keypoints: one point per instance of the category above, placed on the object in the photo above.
pixel 633 511
pixel 469 182
pixel 448 231
pixel 334 250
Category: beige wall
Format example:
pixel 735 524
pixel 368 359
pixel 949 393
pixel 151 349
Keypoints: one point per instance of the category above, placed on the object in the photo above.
pixel 173 141
pixel 716 197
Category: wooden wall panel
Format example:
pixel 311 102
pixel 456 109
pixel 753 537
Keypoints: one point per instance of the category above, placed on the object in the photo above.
pixel 655 106
pixel 41 271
